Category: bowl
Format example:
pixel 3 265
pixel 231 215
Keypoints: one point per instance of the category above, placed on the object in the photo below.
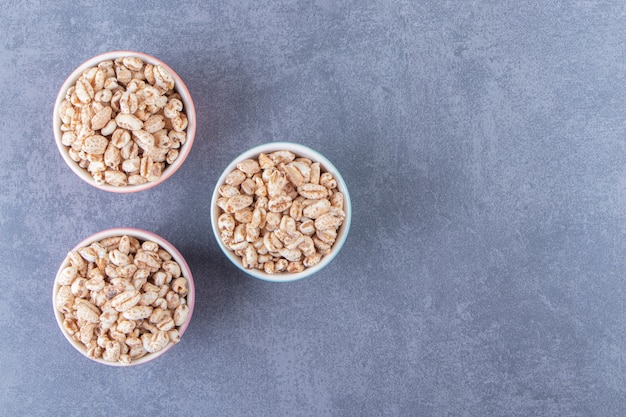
pixel 114 291
pixel 70 148
pixel 228 238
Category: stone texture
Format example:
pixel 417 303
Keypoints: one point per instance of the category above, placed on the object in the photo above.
pixel 483 144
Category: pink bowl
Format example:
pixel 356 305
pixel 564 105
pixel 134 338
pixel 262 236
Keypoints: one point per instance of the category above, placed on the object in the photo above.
pixel 180 88
pixel 142 235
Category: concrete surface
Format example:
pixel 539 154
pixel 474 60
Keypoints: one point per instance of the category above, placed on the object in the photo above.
pixel 484 147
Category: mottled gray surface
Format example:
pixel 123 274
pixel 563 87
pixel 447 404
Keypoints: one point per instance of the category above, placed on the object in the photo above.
pixel 484 147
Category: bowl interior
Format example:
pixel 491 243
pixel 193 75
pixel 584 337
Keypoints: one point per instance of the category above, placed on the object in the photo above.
pixel 300 151
pixel 180 88
pixel 142 235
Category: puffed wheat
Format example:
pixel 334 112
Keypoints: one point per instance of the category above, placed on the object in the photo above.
pixel 116 299
pixel 280 213
pixel 109 102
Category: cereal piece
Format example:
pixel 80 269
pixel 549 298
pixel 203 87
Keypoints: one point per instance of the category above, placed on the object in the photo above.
pixel 235 178
pixel 294 175
pixel 132 63
pixel 136 179
pixel 336 200
pixel 86 311
pixel 171 156
pixel 143 139
pixel 161 278
pixel 306 246
pixel 327 180
pixel 172 268
pixel 95 144
pixel 101 118
pixel 87 333
pixel 226 224
pixel 84 91
pixel 115 178
pixel 279 203
pixel 265 161
pixel 179 285
pixel 180 314
pixel 79 287
pixel 249 167
pixel 227 191
pixel 316 209
pixel 282 156
pixel 64 299
pixel 148 298
pixel 276 184
pixel 313 191
pixel 328 221
pixel 238 202
pixel 294 267
pixel 248 186
pixel 327 235
pixel 177 138
pixel 125 300
pixel 166 324
pixel 112 157
pixel 154 342
pixel 290 254
pixel 312 260
pixel 120 138
pixel 244 215
pixel 290 190
pixel 272 221
pixel 315 173
pixel 126 326
pixel 173 108
pixel 128 121
pixel 154 123
pixel 173 335
pixel 147 259
pixel 162 78
pixel 131 165
pixel 137 312
pixel 67 275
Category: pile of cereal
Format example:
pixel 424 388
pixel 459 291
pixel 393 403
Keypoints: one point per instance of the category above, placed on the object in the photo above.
pixel 280 213
pixel 123 121
pixel 122 298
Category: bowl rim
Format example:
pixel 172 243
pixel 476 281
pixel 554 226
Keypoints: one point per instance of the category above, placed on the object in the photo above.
pixel 300 151
pixel 180 87
pixel 143 235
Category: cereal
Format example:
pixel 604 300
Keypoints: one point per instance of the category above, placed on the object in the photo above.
pixel 279 213
pixel 115 298
pixel 125 110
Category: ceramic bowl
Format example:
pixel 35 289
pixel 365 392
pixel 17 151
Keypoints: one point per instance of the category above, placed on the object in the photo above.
pixel 84 174
pixel 142 236
pixel 326 166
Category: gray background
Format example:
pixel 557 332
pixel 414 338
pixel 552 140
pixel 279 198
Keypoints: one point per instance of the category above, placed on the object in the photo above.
pixel 483 146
